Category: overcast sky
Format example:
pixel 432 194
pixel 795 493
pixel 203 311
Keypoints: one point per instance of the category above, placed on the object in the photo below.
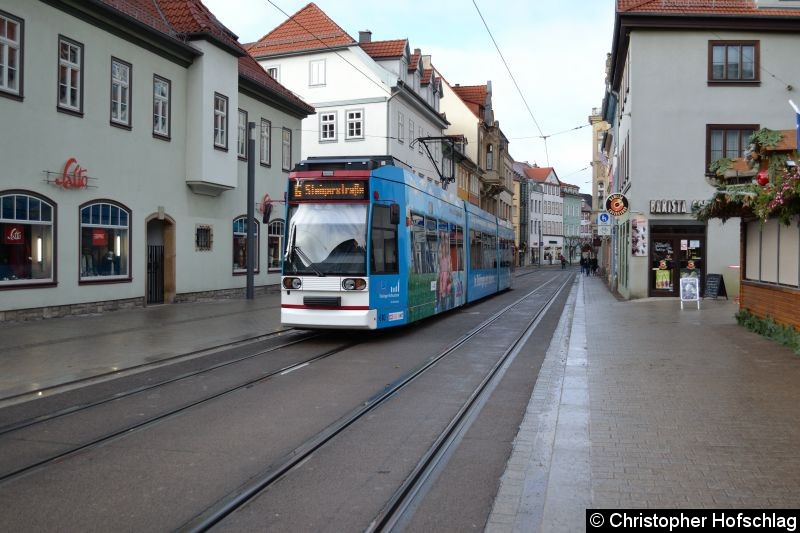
pixel 555 50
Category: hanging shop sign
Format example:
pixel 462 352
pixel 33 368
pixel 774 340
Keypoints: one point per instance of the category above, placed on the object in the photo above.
pixel 616 205
pixel 13 234
pixel 72 176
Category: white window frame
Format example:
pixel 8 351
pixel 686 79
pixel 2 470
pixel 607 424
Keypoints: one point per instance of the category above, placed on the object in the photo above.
pixel 327 127
pixel 121 81
pixel 275 72
pixel 241 138
pixel 240 232
pixel 419 146
pixel 316 73
pixel 401 127
pixel 354 124
pixel 70 75
pixel 162 94
pixel 410 132
pixel 11 55
pixel 220 121
pixel 265 146
pixel 286 150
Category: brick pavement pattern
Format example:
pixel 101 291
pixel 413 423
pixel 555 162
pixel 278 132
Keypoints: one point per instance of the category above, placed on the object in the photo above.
pixel 651 406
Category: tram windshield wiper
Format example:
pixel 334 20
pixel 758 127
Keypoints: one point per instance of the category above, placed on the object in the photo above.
pixel 305 258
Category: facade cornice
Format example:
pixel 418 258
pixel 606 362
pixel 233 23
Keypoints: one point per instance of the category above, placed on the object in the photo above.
pixel 258 91
pixel 305 52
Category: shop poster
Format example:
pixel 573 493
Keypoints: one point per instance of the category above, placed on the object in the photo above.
pixel 639 236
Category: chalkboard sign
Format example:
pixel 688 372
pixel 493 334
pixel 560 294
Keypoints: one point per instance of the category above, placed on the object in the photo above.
pixel 715 286
pixel 690 291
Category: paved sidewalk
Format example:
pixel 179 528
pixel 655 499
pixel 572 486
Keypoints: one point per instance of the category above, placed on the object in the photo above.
pixel 642 405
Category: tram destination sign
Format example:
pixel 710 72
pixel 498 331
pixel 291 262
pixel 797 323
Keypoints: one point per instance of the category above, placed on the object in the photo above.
pixel 300 190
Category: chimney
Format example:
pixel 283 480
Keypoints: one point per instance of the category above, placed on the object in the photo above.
pixel 418 51
pixel 364 37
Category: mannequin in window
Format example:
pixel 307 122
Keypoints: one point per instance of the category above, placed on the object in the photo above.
pixel 87 263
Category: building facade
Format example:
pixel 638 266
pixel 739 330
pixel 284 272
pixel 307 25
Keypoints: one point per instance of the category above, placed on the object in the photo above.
pixel 134 192
pixel 371 97
pixel 672 119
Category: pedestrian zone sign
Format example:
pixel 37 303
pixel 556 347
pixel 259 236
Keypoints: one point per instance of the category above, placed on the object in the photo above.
pixel 603 219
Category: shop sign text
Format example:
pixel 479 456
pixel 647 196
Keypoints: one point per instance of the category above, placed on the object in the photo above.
pixel 73 177
pixel 667 207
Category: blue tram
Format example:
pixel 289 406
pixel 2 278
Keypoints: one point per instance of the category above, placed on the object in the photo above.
pixel 370 245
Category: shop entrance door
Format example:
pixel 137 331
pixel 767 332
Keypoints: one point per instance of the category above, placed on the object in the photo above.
pixel 673 257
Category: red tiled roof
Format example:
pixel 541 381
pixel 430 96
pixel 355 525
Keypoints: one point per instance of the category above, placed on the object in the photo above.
pixel 472 95
pixel 187 18
pixel 412 64
pixel 706 7
pixel 191 17
pixel 538 173
pixel 385 49
pixel 427 74
pixel 308 29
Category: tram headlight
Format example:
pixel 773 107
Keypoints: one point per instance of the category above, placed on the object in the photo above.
pixel 292 283
pixel 354 284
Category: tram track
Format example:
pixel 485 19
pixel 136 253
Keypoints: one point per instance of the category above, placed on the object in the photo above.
pixel 12 432
pixel 399 502
pixel 36 394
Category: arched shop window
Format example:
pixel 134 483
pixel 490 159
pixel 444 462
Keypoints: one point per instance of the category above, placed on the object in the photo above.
pixel 275 245
pixel 240 245
pixel 27 234
pixel 105 242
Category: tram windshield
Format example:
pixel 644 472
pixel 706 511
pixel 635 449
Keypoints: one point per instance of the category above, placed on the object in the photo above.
pixel 327 239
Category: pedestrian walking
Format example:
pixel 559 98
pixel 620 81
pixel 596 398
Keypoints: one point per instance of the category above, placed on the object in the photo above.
pixel 563 261
pixel 584 265
pixel 594 265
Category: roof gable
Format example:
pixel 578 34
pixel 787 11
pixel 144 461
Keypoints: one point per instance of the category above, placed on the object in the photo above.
pixel 308 29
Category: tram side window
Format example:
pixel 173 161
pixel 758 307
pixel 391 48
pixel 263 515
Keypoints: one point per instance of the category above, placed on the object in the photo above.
pixel 489 251
pixel 384 242
pixel 475 249
pixel 432 245
pixel 457 247
pixel 418 243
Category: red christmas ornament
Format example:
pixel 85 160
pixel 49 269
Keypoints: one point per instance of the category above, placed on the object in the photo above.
pixel 762 178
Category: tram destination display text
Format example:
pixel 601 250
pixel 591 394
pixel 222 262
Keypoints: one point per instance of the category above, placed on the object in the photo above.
pixel 328 190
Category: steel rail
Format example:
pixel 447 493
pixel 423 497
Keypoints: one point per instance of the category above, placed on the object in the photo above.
pixel 434 460
pixel 37 394
pixel 256 484
pixel 110 437
pixel 120 395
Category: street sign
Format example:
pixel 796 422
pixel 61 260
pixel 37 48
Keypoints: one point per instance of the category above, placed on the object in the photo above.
pixel 604 230
pixel 603 219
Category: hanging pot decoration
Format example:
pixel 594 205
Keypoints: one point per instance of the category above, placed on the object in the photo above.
pixel 762 178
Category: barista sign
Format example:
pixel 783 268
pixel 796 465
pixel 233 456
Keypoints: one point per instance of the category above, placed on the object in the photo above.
pixel 616 205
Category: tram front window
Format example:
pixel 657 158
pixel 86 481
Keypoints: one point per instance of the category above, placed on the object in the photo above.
pixel 327 239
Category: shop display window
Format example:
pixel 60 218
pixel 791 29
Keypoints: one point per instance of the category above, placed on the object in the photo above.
pixel 240 245
pixel 26 239
pixel 105 242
